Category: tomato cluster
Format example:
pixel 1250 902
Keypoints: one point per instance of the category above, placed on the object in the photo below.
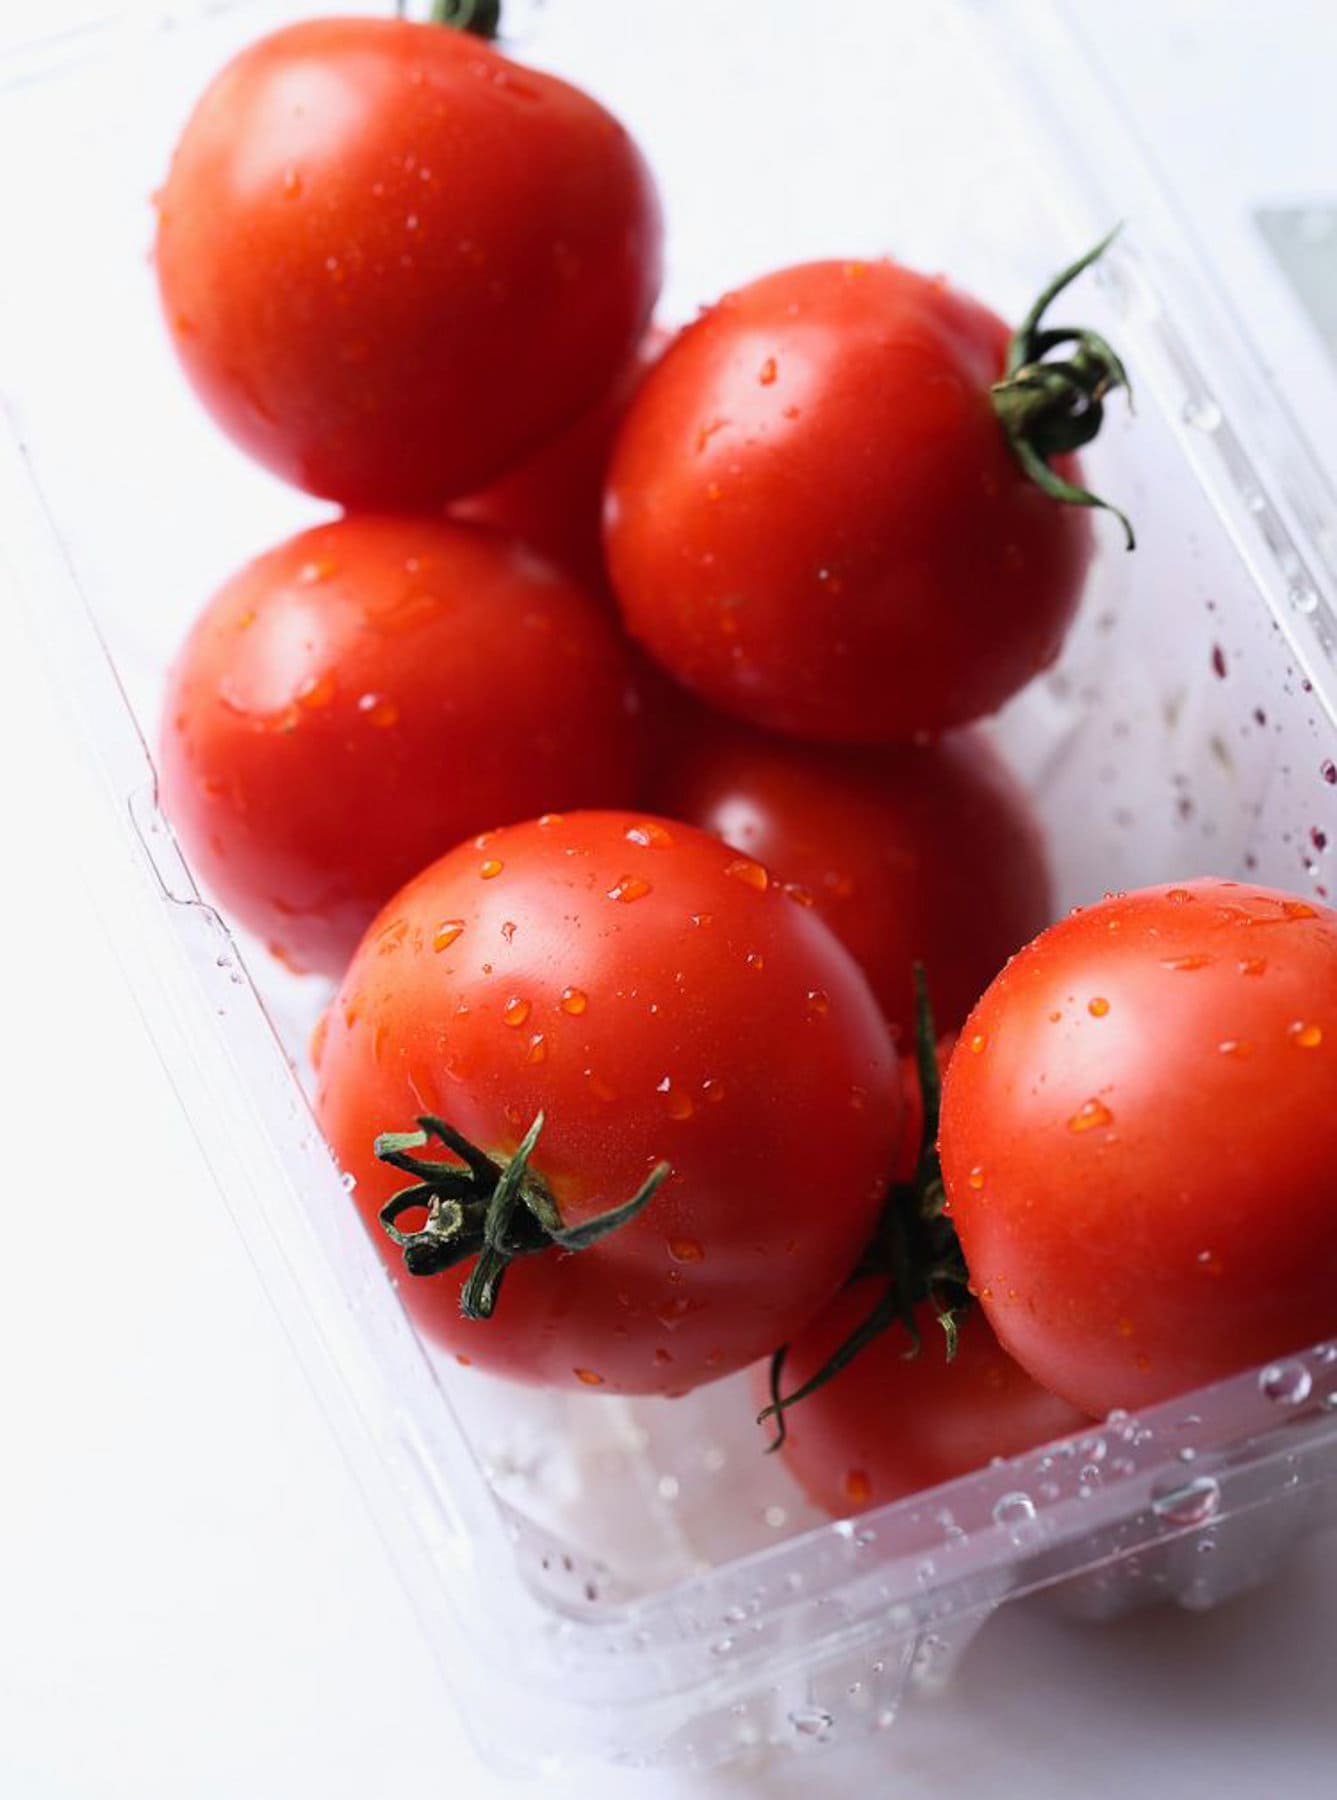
pixel 613 748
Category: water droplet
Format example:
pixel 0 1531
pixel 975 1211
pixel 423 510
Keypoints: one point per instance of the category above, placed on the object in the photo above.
pixel 1328 770
pixel 1253 965
pixel 574 1001
pixel 701 920
pixel 1189 1502
pixel 686 1250
pixel 446 933
pixel 977 1043
pixel 1013 1510
pixel 810 1721
pixel 378 710
pixel 1218 662
pixel 1297 909
pixel 1097 1007
pixel 1090 1116
pixel 767 373
pixel 819 1002
pixel 1303 598
pixel 318 569
pixel 755 960
pixel 1178 896
pixel 629 888
pixel 1305 1036
pixel 1210 1263
pixel 742 868
pixel 516 1011
pixel 1187 964
pixel 858 1489
pixel 589 1377
pixel 722 1647
pixel 1288 1383
pixel 651 834
pixel 677 1101
pixel 538 1049
pixel 975 1179
pixel 490 869
pixel 775 1517
pixel 1240 1047
pixel 548 820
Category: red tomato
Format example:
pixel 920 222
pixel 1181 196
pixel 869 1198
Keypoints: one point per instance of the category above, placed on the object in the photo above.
pixel 655 997
pixel 554 499
pixel 815 519
pixel 890 1424
pixel 368 694
pixel 1139 1141
pixel 914 853
pixel 393 262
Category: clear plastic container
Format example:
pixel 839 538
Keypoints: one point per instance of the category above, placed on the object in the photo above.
pixel 625 1579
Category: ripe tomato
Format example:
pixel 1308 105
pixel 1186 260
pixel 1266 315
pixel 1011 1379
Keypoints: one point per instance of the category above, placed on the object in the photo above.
pixel 1138 1139
pixel 553 500
pixel 890 1424
pixel 393 262
pixel 815 518
pixel 368 694
pixel 655 997
pixel 913 853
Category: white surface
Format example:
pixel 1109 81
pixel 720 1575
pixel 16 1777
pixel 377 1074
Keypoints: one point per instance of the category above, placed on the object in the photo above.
pixel 194 1602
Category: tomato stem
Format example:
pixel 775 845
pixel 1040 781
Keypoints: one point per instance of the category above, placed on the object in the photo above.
pixel 1050 407
pixel 914 1251
pixel 480 18
pixel 492 1209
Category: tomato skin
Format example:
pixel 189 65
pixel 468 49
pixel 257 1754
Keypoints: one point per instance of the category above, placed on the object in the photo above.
pixel 889 1424
pixel 814 518
pixel 927 853
pixel 561 986
pixel 366 695
pixel 553 501
pixel 393 262
pixel 1139 1141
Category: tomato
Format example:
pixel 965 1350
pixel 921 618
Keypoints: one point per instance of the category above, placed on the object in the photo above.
pixel 393 263
pixel 554 499
pixel 366 695
pixel 927 853
pixel 816 520
pixel 1139 1140
pixel 655 997
pixel 891 1423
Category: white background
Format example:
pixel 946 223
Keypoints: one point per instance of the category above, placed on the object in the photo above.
pixel 194 1602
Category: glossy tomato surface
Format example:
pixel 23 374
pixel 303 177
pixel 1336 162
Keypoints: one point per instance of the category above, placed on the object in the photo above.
pixel 890 1424
pixel 1139 1140
pixel 909 853
pixel 364 696
pixel 656 997
pixel 554 500
pixel 815 520
pixel 393 262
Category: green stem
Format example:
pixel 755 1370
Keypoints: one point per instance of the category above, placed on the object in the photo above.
pixel 1049 408
pixel 492 1209
pixel 480 18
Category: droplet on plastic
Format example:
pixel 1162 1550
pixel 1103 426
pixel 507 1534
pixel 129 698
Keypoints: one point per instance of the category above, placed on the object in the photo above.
pixel 1188 1503
pixel 1288 1383
pixel 1013 1510
pixel 812 1722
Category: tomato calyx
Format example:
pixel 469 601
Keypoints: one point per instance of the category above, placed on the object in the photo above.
pixel 480 18
pixel 490 1208
pixel 1050 407
pixel 914 1252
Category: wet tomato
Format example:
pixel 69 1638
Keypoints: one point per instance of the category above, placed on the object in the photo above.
pixel 366 695
pixel 815 517
pixel 909 853
pixel 1139 1140
pixel 393 262
pixel 656 998
pixel 890 1424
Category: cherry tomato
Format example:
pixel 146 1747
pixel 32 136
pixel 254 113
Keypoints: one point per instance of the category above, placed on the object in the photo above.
pixel 815 519
pixel 368 694
pixel 1139 1140
pixel 927 853
pixel 553 500
pixel 393 263
pixel 655 997
pixel 891 1423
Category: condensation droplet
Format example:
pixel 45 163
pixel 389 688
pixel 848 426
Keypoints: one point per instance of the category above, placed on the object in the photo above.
pixel 1288 1383
pixel 677 1101
pixel 538 1049
pixel 629 888
pixel 490 869
pixel 651 834
pixel 1304 1035
pixel 1090 1116
pixel 574 1001
pixel 1189 1502
pixel 589 1377
pixel 446 933
pixel 1098 1007
pixel 811 1721
pixel 1013 1509
pixel 516 1011
pixel 378 710
pixel 742 868
pixel 686 1250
